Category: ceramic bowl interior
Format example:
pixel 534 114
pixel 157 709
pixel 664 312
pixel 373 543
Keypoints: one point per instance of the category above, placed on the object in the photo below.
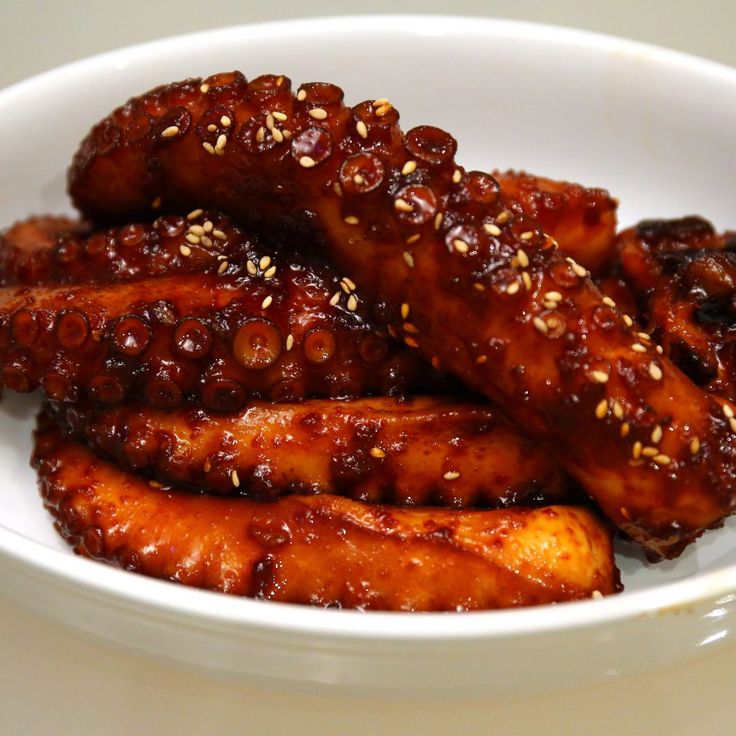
pixel 654 127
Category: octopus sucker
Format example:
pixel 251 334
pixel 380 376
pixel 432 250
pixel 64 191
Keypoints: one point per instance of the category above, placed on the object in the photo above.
pixel 323 550
pixel 537 356
pixel 414 451
pixel 166 339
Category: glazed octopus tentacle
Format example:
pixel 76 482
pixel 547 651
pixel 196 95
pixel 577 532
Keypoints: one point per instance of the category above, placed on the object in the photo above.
pixel 218 338
pixel 323 550
pixel 417 451
pixel 684 275
pixel 581 219
pixel 480 291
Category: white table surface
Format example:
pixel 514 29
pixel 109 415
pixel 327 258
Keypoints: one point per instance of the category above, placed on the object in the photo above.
pixel 57 681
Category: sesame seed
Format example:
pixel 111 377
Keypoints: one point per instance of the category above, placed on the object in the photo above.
pixel 656 435
pixel 481 359
pixel 208 226
pixel 655 371
pixel 650 452
pixel 264 263
pixel 732 423
pixel 344 287
pixel 405 309
pixel 644 336
pixel 208 147
pixel 270 273
pixel 352 303
pixel 270 121
pixel 221 143
pixel 662 459
pixel 577 268
pixel 636 449
pixel 289 342
pixel 451 475
pixel 413 238
pixel 192 238
pixel 352 220
pixel 457 176
pixel 377 452
pixel 596 595
pixel 492 229
pixel 659 349
pixel 207 466
pixel 380 102
pixel 337 188
pixel 409 167
pixel 222 267
pixel 358 179
pixel 403 206
pixel 156 203
pixel 301 95
pixel 225 121
pixel 307 162
pixel 527 279
pixel 185 250
pixel 197 230
pixel 411 328
pixel 554 296
pixel 727 411
pixel 503 217
pixel 350 283
pixel 513 288
pixel 627 320
pixel 206 242
pixel 601 409
pixel 170 132
pixel 599 376
pixel 608 301
pixel 384 110
pixel 541 325
pixel 408 258
pixel 234 478
pixel 411 342
pixel 280 116
pixel 219 234
pixel 478 286
pixel 278 136
pixel 251 268
pixel 528 235
pixel 266 303
pixel 522 258
pixel 204 88
pixel 625 428
pixel 334 299
pixel 637 347
pixel 260 134
pixel 618 410
pixel 438 220
pixel 362 129
pixel 694 446
pixel 211 127
pixel 460 245
pixel 318 113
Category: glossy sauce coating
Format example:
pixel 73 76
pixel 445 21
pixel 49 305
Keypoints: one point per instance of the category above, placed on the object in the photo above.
pixel 218 338
pixel 581 219
pixel 323 550
pixel 479 290
pixel 416 451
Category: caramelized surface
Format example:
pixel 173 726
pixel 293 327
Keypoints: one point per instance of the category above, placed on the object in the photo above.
pixel 418 451
pixel 323 550
pixel 477 288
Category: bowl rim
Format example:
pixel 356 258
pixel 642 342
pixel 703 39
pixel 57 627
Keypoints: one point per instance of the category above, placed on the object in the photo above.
pixel 196 605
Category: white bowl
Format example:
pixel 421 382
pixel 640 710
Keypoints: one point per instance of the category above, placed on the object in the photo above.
pixel 653 126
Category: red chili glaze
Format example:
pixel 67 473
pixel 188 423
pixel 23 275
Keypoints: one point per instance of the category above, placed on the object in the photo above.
pixel 323 550
pixel 218 338
pixel 505 312
pixel 417 451
pixel 684 275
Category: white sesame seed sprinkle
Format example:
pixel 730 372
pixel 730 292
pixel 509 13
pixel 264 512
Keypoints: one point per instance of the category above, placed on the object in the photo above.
pixel 522 258
pixel 408 258
pixel 251 268
pixel 618 410
pixel 208 226
pixel 527 279
pixel 192 238
pixel 358 179
pixel 727 411
pixel 694 446
pixel 225 121
pixel 503 217
pixel 402 205
pixel 637 347
pixel 650 451
pixel 601 409
pixel 627 320
pixel 270 273
pixel 599 376
pixel 451 475
pixel 264 262
pixel 170 132
pixel 352 302
pixel 289 342
pixel 405 309
pixel 260 134
pixel 362 129
pixel 334 299
pixel 513 288
pixel 492 229
pixel 377 452
pixel 636 449
pixel 211 127
pixel 457 176
pixel 208 147
pixel 204 88
pixel 352 220
pixel 541 325
pixel 196 230
pixel 270 123
pixel 528 235
pixel 655 372
pixel 460 245
pixel 553 296
pixel 280 116
pixel 318 113
pixel 234 478
pixel 350 283
pixel 608 301
pixel 409 167
pixel 222 267
pixel 656 436
pixel 662 459
pixel 413 238
pixel 307 162
pixel 438 220
pixel 380 102
pixel 221 143
pixel 596 595
pixel 219 234
pixel 266 303
pixel 301 95
pixel 278 136
pixel 625 428
pixel 185 250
